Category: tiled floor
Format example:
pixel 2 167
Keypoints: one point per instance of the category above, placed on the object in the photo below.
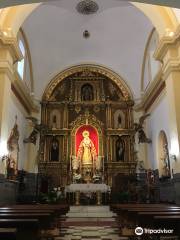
pixel 89 223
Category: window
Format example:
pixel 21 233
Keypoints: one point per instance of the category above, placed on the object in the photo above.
pixel 21 64
pixel 24 66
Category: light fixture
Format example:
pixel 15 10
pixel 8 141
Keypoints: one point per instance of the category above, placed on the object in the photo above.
pixel 5 33
pixel 173 157
pixel 169 33
pixel 86 34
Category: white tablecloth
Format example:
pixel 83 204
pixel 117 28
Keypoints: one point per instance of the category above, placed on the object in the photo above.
pixel 89 187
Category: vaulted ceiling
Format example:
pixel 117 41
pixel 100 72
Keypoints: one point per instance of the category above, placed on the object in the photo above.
pixel 118 36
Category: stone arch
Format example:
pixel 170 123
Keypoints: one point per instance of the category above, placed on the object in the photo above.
pixel 161 17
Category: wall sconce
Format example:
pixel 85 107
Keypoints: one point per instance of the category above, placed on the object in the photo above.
pixel 173 157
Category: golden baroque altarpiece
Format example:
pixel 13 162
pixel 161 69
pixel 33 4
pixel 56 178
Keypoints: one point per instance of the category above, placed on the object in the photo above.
pixel 87 104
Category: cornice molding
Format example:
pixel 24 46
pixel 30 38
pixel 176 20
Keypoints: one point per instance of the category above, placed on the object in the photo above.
pixel 23 95
pixel 164 44
pixel 152 93
pixel 11 43
pixel 158 84
pixel 172 65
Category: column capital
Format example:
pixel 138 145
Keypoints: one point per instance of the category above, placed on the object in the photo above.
pixel 8 41
pixel 169 41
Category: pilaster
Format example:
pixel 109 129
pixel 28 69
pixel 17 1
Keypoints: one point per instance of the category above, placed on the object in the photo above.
pixel 168 52
pixel 6 76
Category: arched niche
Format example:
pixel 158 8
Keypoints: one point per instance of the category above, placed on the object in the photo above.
pixel 55 119
pixel 163 155
pixel 91 124
pixel 119 119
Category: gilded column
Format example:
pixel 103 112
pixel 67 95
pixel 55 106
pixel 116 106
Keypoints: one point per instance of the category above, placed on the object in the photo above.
pixel 65 116
pixel 108 115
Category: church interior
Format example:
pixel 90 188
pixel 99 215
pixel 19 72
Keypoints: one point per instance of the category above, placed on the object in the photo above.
pixel 89 120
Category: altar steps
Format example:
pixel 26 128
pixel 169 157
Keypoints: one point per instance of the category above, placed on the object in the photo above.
pixel 89 223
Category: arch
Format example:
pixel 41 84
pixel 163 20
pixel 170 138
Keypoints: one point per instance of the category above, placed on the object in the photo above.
pixel 161 17
pixel 163 155
pixel 117 79
pixel 145 64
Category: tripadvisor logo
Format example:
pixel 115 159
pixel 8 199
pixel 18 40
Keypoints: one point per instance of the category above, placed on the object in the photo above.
pixel 139 231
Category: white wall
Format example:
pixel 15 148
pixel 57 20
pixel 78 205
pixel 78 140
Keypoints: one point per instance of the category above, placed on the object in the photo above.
pixel 16 109
pixel 158 121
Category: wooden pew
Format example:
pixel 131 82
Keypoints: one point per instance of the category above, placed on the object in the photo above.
pixel 43 213
pixel 26 228
pixel 144 214
pixel 8 233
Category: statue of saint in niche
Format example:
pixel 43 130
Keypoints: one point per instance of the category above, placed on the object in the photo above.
pixel 54 152
pixel 87 150
pixel 54 122
pixel 87 92
pixel 120 149
pixel 119 121
pixel 166 162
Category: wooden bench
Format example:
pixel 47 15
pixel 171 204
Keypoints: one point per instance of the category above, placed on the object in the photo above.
pixel 26 228
pixel 145 215
pixel 43 214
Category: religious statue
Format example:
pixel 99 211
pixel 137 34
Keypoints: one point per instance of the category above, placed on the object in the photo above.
pixel 54 154
pixel 13 155
pixel 87 92
pixel 54 122
pixel 37 128
pixel 139 128
pixel 87 150
pixel 11 169
pixel 120 149
pixel 119 121
pixel 86 154
pixel 75 163
pixel 166 163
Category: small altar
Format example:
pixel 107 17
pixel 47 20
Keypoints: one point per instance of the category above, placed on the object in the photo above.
pixel 88 189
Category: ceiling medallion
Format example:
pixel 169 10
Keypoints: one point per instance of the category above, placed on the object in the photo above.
pixel 87 7
pixel 86 34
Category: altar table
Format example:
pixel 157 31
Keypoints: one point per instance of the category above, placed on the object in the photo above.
pixel 78 188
